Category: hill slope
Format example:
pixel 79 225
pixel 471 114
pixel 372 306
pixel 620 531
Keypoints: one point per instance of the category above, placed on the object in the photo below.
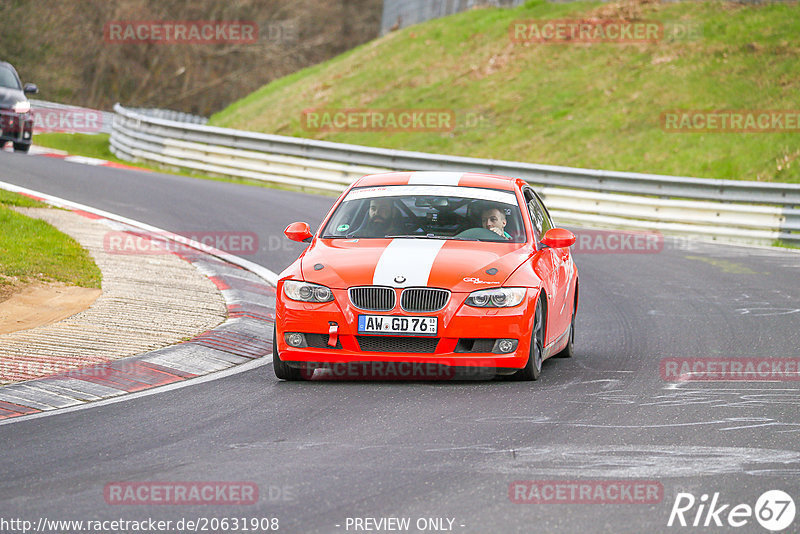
pixel 578 104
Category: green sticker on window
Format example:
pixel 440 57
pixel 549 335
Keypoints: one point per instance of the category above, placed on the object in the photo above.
pixel 343 227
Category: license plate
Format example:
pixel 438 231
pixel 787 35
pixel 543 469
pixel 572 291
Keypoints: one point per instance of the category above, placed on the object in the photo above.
pixel 391 324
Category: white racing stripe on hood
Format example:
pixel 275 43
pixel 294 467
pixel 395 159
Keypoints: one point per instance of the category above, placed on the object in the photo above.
pixel 411 258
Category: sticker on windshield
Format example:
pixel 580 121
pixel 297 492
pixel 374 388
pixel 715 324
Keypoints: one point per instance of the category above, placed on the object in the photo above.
pixel 496 195
pixel 342 227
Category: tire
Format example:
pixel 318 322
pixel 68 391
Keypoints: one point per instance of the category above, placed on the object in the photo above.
pixel 282 371
pixel 569 350
pixel 21 147
pixel 533 368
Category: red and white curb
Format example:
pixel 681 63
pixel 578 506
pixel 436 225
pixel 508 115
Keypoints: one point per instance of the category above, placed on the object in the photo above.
pixel 248 290
pixel 95 162
pixel 84 160
pixel 36 150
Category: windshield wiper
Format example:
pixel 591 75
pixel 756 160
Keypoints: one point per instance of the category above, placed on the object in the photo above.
pixel 453 238
pixel 411 236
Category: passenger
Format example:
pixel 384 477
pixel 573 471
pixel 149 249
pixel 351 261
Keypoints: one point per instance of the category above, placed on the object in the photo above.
pixel 494 220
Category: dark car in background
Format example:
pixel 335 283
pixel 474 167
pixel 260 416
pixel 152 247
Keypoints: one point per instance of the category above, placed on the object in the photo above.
pixel 16 119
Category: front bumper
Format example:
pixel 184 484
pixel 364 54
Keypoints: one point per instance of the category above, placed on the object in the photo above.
pixel 16 127
pixel 463 339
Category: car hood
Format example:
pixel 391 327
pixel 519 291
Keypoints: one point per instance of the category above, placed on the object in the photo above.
pixel 9 97
pixel 460 266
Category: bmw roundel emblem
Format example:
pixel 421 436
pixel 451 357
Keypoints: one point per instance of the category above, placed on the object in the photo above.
pixel 399 279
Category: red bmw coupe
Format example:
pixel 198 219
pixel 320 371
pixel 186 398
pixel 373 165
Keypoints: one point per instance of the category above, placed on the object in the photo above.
pixel 412 271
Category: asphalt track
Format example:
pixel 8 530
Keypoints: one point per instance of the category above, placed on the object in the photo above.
pixel 322 452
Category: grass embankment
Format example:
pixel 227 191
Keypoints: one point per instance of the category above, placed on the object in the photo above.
pixel 33 251
pixel 584 105
pixel 89 145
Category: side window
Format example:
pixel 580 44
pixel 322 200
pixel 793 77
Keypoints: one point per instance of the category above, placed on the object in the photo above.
pixel 537 216
pixel 547 222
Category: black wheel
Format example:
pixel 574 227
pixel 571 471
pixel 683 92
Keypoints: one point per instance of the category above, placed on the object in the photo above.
pixel 282 371
pixel 533 368
pixel 569 350
pixel 21 147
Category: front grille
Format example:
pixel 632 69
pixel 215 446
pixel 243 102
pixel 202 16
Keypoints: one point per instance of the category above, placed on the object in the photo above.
pixel 10 125
pixel 373 298
pixel 397 344
pixel 424 299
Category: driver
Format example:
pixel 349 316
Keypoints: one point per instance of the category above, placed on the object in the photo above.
pixel 380 217
pixel 494 220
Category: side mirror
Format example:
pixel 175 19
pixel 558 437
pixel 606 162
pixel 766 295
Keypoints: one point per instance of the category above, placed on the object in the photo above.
pixel 299 231
pixel 30 89
pixel 558 238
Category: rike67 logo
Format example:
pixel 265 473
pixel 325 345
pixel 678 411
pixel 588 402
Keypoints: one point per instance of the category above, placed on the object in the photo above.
pixel 774 510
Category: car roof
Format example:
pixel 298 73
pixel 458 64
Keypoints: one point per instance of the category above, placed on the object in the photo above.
pixel 466 179
pixel 10 66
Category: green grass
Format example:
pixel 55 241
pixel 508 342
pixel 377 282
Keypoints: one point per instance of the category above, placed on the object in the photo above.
pixel 13 199
pixel 32 250
pixel 582 105
pixel 89 145
pixel 785 244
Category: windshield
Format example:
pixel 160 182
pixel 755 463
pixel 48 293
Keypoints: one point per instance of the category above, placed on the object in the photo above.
pixel 8 79
pixel 428 212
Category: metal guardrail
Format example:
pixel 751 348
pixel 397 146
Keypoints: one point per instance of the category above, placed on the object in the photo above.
pixel 171 115
pixel 402 13
pixel 719 209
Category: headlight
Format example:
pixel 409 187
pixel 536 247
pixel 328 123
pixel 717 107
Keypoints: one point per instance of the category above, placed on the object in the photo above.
pixel 22 107
pixel 306 292
pixel 501 297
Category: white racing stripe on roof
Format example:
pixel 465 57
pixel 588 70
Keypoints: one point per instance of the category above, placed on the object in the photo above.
pixel 410 258
pixel 435 178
